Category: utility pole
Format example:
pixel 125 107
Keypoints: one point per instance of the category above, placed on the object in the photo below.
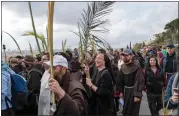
pixel 4 48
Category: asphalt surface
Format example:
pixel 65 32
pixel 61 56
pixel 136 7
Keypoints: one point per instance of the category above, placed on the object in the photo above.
pixel 144 108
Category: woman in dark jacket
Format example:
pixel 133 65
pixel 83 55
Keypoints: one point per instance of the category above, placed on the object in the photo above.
pixel 155 82
pixel 101 100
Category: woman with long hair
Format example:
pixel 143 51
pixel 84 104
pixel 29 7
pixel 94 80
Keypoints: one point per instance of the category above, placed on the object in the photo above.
pixel 155 82
pixel 101 101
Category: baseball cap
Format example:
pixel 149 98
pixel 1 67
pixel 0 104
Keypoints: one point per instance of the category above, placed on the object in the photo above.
pixel 170 46
pixel 59 60
pixel 127 52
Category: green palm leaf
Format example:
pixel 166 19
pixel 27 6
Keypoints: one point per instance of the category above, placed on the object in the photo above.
pixel 33 25
pixel 14 41
pixel 31 51
pixel 93 21
pixel 63 47
pixel 39 36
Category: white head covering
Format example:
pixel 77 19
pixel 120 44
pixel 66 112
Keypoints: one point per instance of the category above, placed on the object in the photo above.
pixel 59 60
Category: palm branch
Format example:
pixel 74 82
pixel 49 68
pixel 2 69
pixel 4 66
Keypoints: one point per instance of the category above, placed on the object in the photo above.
pixel 47 37
pixel 93 21
pixel 14 41
pixel 39 36
pixel 50 40
pixel 64 45
pixel 31 51
pixel 33 25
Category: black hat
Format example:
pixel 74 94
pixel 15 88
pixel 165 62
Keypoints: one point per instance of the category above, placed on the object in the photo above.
pixel 170 46
pixel 29 59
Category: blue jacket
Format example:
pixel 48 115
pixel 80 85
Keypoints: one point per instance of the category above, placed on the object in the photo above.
pixel 168 94
pixel 6 85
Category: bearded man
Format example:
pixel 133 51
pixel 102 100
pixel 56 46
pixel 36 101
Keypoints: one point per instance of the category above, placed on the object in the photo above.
pixel 131 84
pixel 71 97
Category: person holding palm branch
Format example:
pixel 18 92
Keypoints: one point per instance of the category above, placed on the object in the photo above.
pixel 101 100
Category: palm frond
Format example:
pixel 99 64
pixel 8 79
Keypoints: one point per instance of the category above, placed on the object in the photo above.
pixel 81 45
pixel 64 47
pixel 93 20
pixel 44 42
pixel 43 46
pixel 33 25
pixel 65 44
pixel 31 51
pixel 14 41
pixel 39 36
pixel 102 41
pixel 47 37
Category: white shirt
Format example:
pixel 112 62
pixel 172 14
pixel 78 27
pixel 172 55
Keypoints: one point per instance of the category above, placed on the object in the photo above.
pixel 45 95
pixel 120 62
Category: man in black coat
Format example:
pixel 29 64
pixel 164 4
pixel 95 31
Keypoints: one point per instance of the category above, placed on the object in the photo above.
pixel 34 73
pixel 169 62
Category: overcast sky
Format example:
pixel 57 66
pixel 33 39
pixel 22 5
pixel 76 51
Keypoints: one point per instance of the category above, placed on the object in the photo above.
pixel 129 21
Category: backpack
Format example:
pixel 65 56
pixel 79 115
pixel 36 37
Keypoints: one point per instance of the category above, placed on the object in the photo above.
pixel 33 96
pixel 19 92
pixel 33 70
pixel 24 74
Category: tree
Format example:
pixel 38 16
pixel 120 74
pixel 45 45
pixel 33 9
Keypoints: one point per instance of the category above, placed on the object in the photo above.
pixel 137 46
pixel 172 30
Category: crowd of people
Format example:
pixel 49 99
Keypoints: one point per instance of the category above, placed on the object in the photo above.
pixel 106 83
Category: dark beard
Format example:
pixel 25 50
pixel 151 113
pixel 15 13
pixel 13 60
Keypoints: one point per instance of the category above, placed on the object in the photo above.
pixel 126 61
pixel 58 77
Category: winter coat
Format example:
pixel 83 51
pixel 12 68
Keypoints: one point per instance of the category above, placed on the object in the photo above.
pixel 75 102
pixel 102 101
pixel 168 94
pixel 164 62
pixel 154 82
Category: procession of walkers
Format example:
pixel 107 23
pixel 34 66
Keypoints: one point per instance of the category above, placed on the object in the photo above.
pixel 109 82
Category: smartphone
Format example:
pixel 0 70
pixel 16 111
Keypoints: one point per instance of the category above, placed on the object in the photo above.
pixel 176 90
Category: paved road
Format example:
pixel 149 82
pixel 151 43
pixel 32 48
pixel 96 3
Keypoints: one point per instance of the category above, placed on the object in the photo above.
pixel 144 108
